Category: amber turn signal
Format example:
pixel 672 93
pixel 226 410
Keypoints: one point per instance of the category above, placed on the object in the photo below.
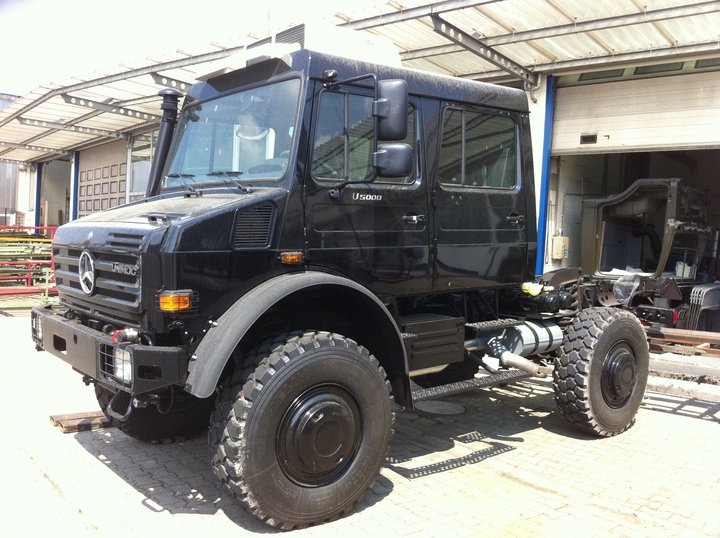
pixel 176 300
pixel 292 258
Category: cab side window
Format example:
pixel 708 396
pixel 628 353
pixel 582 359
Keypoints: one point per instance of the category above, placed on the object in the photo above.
pixel 344 139
pixel 477 149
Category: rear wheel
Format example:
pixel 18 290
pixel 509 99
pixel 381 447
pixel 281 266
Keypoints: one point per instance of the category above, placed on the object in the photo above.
pixel 178 416
pixel 300 435
pixel 600 377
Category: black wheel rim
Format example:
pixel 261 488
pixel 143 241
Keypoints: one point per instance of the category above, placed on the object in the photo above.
pixel 319 435
pixel 618 375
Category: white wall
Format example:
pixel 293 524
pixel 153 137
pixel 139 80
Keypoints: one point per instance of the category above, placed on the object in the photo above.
pixel 55 188
pixel 573 178
pixel 26 192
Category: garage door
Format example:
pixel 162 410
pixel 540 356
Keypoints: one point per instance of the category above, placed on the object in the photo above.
pixel 678 112
pixel 102 177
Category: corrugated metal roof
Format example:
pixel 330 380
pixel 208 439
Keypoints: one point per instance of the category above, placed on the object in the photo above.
pixel 551 35
pixel 537 36
pixel 54 120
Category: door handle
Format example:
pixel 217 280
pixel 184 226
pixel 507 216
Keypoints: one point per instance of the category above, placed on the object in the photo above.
pixel 414 219
pixel 518 220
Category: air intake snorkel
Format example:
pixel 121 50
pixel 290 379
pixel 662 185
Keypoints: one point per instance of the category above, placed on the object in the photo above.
pixel 169 106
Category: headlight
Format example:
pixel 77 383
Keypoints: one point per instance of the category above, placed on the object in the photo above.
pixel 122 365
pixel 36 324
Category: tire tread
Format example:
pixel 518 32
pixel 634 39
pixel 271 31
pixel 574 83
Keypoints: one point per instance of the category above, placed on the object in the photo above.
pixel 571 381
pixel 226 434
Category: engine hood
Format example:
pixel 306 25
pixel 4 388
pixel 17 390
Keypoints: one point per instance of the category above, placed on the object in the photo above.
pixel 178 206
pixel 150 219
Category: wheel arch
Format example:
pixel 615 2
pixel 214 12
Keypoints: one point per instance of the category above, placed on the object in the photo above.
pixel 308 300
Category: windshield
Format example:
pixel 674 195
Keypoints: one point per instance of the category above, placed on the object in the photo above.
pixel 239 137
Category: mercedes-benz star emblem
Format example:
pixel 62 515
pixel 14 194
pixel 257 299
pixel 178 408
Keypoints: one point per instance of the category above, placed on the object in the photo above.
pixel 86 270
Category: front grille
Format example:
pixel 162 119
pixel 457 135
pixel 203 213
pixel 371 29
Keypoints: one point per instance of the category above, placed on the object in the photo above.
pixel 116 298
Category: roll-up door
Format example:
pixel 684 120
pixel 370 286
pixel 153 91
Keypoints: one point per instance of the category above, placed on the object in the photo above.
pixel 651 114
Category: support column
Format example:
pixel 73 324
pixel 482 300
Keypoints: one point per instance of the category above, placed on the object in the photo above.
pixel 38 193
pixel 74 185
pixel 541 121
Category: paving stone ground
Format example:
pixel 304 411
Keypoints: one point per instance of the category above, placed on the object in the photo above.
pixel 498 462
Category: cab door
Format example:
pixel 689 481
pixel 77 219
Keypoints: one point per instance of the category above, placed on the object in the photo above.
pixel 374 232
pixel 480 209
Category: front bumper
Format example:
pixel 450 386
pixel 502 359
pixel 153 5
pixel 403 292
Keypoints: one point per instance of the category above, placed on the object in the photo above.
pixel 133 368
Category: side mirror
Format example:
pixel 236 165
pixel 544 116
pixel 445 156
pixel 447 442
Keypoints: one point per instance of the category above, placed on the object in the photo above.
pixel 391 109
pixel 393 160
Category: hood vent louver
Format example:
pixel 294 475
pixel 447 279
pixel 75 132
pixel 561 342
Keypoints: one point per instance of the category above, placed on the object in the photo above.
pixel 253 227
pixel 126 242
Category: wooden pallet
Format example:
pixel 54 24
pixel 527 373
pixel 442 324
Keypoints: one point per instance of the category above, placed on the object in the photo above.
pixel 683 341
pixel 79 422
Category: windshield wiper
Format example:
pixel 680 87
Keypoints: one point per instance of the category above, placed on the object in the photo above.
pixel 234 173
pixel 191 191
pixel 227 182
pixel 225 173
pixel 179 175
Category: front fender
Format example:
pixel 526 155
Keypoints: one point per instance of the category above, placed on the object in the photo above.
pixel 213 352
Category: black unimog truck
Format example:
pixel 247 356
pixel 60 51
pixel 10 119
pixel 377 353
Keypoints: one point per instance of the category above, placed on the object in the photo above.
pixel 324 242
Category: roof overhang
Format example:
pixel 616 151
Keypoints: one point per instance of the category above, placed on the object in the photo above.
pixel 500 41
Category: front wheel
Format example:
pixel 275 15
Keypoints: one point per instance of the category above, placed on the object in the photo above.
pixel 600 376
pixel 300 435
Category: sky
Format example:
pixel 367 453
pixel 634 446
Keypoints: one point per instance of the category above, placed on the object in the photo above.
pixel 44 41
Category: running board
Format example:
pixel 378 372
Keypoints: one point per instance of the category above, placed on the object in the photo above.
pixel 502 377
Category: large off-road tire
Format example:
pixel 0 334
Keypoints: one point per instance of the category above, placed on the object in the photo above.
pixel 300 435
pixel 600 376
pixel 179 416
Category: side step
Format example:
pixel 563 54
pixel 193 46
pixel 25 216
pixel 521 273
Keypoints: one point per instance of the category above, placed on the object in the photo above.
pixel 494 324
pixel 505 376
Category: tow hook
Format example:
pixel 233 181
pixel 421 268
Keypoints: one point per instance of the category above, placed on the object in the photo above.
pixel 136 402
pixel 129 336
pixel 117 415
pixel 146 400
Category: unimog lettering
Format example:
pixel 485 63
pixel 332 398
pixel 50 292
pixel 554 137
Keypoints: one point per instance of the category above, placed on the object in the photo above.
pixel 125 269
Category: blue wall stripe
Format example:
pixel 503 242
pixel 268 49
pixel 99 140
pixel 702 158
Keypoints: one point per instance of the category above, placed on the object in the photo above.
pixel 550 86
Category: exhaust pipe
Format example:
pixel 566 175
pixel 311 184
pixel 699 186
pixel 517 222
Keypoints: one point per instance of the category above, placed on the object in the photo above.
pixel 509 359
pixel 513 343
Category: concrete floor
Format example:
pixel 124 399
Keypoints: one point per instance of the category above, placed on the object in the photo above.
pixel 498 462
